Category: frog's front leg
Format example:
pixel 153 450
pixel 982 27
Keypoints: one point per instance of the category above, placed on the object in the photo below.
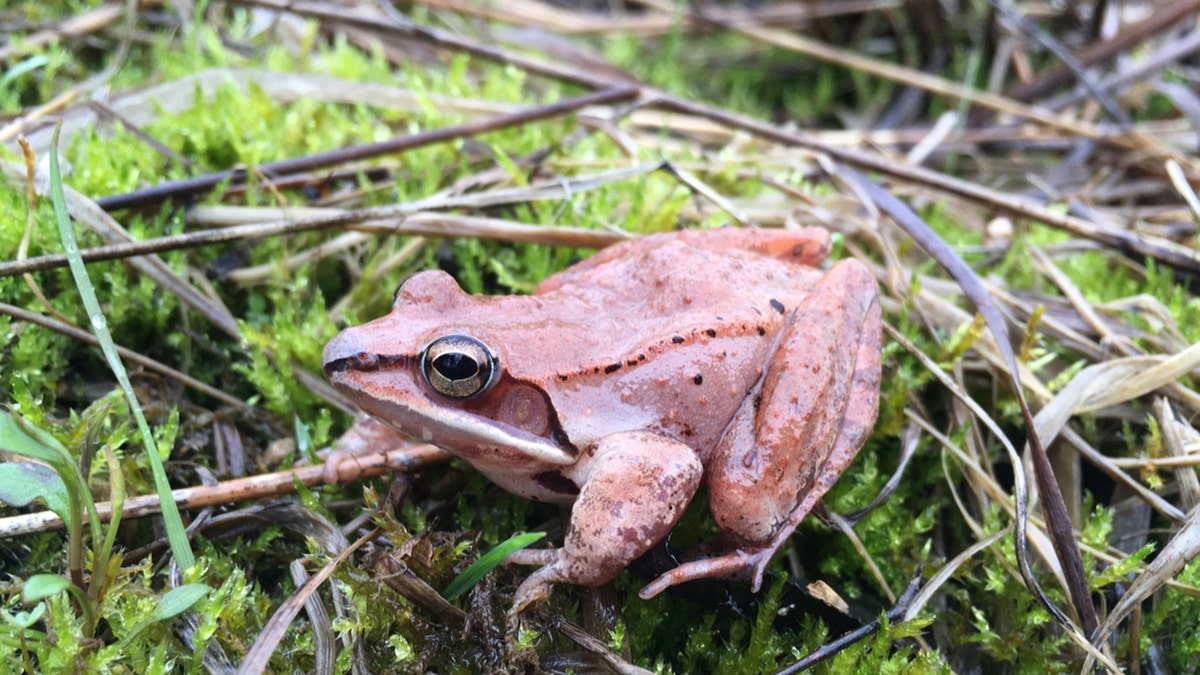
pixel 635 487
pixel 798 431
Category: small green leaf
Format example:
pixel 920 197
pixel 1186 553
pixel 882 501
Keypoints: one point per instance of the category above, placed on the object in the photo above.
pixel 304 444
pixel 179 600
pixel 23 482
pixel 25 619
pixel 15 438
pixel 176 601
pixel 488 561
pixel 28 65
pixel 40 586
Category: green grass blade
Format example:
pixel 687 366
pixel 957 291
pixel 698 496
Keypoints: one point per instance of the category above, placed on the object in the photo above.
pixel 176 535
pixel 178 600
pixel 488 561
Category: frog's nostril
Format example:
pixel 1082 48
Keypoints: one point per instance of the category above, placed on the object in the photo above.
pixel 345 352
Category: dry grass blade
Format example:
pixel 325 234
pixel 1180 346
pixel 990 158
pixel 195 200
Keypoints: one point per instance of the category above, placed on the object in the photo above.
pixel 1055 508
pixel 935 582
pixel 953 90
pixel 582 638
pixel 1179 551
pixel 1019 508
pixel 325 646
pixel 1175 435
pixel 76 26
pixel 393 572
pixel 264 645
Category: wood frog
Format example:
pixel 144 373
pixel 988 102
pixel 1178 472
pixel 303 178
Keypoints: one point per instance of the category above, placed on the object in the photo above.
pixel 721 357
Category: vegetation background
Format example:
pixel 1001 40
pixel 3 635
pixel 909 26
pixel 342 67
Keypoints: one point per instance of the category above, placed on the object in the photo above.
pixel 286 164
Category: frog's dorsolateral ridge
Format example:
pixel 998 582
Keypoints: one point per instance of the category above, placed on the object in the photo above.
pixel 624 382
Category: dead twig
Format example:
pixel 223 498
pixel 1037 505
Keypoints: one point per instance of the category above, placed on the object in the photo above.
pixel 1154 24
pixel 404 219
pixel 240 489
pixel 189 187
pixel 146 362
pixel 91 21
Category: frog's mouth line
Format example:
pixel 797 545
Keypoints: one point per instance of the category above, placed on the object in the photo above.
pixel 418 421
pixel 474 429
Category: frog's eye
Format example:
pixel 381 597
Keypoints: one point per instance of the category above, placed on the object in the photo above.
pixel 458 366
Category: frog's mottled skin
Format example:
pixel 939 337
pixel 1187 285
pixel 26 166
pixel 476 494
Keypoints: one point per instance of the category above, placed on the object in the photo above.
pixel 724 357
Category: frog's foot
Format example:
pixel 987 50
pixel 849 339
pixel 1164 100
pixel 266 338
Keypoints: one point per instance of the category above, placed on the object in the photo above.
pixel 734 564
pixel 742 561
pixel 633 492
pixel 536 588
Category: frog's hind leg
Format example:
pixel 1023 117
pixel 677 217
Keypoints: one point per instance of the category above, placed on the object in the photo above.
pixel 794 436
pixel 634 488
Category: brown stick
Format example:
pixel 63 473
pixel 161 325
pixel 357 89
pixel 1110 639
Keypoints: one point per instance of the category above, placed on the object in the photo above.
pixel 75 26
pixel 198 184
pixel 241 489
pixel 1099 52
pixel 1168 253
pixel 392 219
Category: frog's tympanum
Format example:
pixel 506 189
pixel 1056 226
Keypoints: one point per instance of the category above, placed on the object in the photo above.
pixel 723 357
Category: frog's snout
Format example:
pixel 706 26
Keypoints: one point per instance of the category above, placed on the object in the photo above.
pixel 345 352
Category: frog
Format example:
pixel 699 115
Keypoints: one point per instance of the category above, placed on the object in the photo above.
pixel 728 358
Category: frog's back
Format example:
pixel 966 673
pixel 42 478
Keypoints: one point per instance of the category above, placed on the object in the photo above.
pixel 669 283
pixel 804 247
pixel 665 335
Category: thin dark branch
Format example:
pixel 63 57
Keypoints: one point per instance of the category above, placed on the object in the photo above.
pixel 188 187
pixel 1158 21
pixel 1054 507
pixel 1127 242
pixel 1068 59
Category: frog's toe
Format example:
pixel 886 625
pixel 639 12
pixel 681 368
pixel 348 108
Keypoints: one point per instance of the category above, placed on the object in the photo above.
pixel 739 563
pixel 758 568
pixel 536 588
pixel 732 564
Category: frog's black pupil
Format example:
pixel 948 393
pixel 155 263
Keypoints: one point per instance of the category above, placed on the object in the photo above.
pixel 455 366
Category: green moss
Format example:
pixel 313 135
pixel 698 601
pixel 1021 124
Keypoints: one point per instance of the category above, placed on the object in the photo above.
pixel 52 381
